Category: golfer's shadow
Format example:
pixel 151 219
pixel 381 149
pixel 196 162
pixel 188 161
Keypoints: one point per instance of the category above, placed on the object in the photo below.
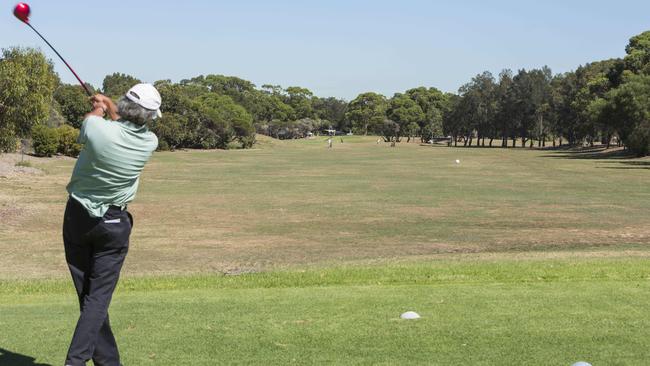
pixel 14 359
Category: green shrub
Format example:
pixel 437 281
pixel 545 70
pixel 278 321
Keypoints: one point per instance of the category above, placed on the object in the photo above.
pixel 8 141
pixel 170 130
pixel 639 140
pixel 67 137
pixel 247 142
pixel 163 145
pixel 45 140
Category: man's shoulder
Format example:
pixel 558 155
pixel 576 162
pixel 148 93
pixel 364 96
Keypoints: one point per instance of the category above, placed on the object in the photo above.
pixel 94 120
pixel 97 123
pixel 93 127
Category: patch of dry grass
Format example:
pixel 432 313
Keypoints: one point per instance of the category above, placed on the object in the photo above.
pixel 296 203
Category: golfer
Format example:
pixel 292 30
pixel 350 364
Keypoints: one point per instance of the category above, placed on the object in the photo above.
pixel 97 226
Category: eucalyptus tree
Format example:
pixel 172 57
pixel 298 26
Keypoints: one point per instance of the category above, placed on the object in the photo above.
pixel 405 112
pixel 433 103
pixel 367 112
pixel 117 84
pixel 73 102
pixel 27 82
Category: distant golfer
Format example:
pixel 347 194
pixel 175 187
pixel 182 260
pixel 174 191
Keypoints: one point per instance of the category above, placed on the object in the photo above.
pixel 97 226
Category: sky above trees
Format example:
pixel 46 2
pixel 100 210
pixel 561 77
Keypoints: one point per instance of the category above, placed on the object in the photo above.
pixel 334 48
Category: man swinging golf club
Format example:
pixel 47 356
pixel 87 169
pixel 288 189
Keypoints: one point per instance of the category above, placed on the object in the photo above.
pixel 96 225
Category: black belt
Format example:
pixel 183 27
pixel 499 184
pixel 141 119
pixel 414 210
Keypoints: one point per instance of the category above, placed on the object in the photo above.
pixel 118 208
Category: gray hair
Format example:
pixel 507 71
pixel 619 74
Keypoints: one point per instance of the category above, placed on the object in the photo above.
pixel 134 113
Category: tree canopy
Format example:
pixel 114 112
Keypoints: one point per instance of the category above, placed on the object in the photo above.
pixel 600 102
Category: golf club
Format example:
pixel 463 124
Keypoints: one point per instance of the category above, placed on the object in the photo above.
pixel 22 11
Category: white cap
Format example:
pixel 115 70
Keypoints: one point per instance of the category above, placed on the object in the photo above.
pixel 146 96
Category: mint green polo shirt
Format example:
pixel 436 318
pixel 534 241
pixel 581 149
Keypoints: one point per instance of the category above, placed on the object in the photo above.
pixel 108 170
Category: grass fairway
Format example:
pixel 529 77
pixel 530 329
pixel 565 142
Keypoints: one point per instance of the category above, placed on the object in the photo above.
pixel 495 312
pixel 513 257
pixel 297 203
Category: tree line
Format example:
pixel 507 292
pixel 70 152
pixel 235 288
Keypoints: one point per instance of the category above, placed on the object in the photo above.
pixel 601 102
pixel 604 102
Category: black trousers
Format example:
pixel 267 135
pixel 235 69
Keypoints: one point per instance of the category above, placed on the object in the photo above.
pixel 95 249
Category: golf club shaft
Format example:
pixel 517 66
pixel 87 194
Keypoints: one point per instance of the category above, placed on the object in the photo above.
pixel 64 61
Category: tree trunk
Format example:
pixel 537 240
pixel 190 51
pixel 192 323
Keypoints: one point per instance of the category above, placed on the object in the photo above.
pixel 514 142
pixel 491 139
pixel 531 143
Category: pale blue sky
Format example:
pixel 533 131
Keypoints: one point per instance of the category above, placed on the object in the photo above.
pixel 334 47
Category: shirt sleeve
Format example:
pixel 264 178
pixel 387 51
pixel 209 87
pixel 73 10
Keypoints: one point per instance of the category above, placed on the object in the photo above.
pixel 89 125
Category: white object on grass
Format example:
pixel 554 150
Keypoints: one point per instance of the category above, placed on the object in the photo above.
pixel 410 315
pixel 457 161
pixel 581 363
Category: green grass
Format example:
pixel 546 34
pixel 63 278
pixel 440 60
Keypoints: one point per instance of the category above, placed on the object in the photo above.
pixel 24 164
pixel 548 312
pixel 513 257
pixel 297 203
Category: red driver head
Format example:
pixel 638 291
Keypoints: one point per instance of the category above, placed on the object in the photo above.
pixel 22 12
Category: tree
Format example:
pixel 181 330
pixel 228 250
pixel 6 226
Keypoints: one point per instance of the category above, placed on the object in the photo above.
pixel 231 86
pixel 300 100
pixel 628 108
pixel 452 120
pixel 73 102
pixel 464 117
pixel 117 84
pixel 276 109
pixel 541 102
pixel 222 120
pixel 27 82
pixel 170 130
pixel 505 113
pixel 638 54
pixel 531 97
pixel 433 103
pixel 390 130
pixel 367 112
pixel 480 95
pixel 412 130
pixel 266 107
pixel 404 111
pixel 434 127
pixel 332 110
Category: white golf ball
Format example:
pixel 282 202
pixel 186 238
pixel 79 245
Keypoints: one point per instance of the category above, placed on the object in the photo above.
pixel 457 161
pixel 410 315
pixel 581 363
